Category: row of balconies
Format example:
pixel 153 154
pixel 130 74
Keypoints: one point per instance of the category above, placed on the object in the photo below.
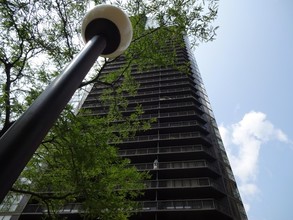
pixel 178 124
pixel 156 92
pixel 182 126
pixel 184 205
pixel 172 105
pixel 168 91
pixel 176 165
pixel 167 115
pixel 164 98
pixel 70 208
pixel 181 54
pixel 135 69
pixel 165 150
pixel 155 85
pixel 183 183
pixel 161 79
pixel 148 107
pixel 165 84
pixel 152 99
pixel 172 114
pixel 176 113
pixel 171 122
pixel 158 74
pixel 170 136
pixel 145 206
pixel 166 95
pixel 154 72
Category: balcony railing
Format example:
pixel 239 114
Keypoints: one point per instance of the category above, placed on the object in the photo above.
pixel 136 71
pixel 149 107
pixel 70 208
pixel 183 183
pixel 162 115
pixel 156 74
pixel 171 114
pixel 165 84
pixel 176 165
pixel 183 205
pixel 167 105
pixel 145 206
pixel 152 99
pixel 162 79
pixel 141 100
pixel 150 83
pixel 164 91
pixel 165 150
pixel 177 104
pixel 151 92
pixel 172 136
pixel 178 124
pixel 181 113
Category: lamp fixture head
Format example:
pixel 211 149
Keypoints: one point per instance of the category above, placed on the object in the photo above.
pixel 110 22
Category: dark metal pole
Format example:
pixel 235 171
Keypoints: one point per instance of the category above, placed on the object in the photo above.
pixel 19 143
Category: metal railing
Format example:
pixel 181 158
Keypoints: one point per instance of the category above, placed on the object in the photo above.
pixel 161 79
pixel 69 208
pixel 156 74
pixel 183 183
pixel 171 136
pixel 181 113
pixel 144 206
pixel 176 165
pixel 156 83
pixel 147 107
pixel 171 114
pixel 165 150
pixel 141 100
pixel 164 84
pixel 182 205
pixel 177 124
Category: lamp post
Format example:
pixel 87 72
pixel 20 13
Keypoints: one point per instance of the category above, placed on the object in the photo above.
pixel 107 31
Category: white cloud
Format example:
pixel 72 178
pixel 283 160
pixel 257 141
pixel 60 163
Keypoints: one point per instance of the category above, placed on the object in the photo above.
pixel 243 141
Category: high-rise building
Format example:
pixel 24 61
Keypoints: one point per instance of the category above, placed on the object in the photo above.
pixel 190 173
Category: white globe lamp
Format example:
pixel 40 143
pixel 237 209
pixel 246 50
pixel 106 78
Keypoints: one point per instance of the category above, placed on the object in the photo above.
pixel 111 23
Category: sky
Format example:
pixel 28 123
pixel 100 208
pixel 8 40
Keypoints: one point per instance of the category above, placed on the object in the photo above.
pixel 248 72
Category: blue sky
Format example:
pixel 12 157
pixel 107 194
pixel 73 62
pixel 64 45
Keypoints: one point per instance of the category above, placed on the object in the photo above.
pixel 248 72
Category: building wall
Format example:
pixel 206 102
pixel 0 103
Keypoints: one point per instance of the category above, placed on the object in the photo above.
pixel 183 151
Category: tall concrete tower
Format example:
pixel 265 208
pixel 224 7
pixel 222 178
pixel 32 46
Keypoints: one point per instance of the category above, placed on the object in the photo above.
pixel 190 173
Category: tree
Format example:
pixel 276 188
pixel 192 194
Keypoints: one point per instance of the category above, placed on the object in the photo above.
pixel 36 45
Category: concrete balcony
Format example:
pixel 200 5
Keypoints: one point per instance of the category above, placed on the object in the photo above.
pixel 186 183
pixel 185 149
pixel 183 205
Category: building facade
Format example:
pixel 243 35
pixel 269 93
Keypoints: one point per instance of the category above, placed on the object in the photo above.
pixel 190 173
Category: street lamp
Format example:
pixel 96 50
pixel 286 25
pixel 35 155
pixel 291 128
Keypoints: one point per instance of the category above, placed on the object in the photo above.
pixel 107 31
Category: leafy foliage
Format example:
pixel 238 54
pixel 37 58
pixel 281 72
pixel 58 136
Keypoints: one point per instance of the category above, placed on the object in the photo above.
pixel 75 162
pixel 70 167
